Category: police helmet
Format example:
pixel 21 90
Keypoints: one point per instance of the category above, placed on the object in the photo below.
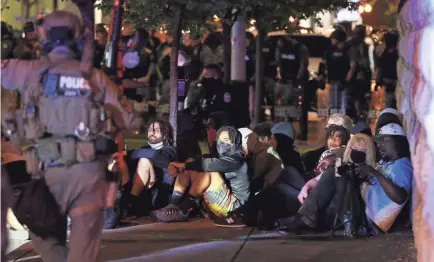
pixel 60 28
pixel 29 27
pixel 5 30
pixel 359 31
pixel 339 35
pixel 391 38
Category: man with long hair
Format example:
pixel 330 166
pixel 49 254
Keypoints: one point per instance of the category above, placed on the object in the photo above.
pixel 150 164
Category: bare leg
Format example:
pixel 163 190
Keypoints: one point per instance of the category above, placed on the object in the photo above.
pixel 145 177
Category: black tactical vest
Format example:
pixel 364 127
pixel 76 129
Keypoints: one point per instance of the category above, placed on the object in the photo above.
pixel 290 61
pixel 338 64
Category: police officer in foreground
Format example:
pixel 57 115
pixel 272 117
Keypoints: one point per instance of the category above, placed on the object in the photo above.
pixel 69 119
pixel 292 59
pixel 337 62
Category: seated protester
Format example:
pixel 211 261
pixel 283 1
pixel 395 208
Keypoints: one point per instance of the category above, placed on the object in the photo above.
pixel 215 121
pixel 263 131
pixel 390 184
pixel 221 182
pixel 388 116
pixel 283 137
pixel 264 164
pixel 337 138
pixel 150 165
pixel 274 187
pixel 327 199
pixel 311 158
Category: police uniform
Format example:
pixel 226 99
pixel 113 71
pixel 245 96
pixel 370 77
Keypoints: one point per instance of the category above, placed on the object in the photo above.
pixel 73 160
pixel 293 61
pixel 338 64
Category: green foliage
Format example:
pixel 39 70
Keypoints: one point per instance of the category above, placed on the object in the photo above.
pixel 199 13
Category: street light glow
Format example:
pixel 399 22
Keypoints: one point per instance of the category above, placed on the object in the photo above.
pixel 368 8
pixel 291 19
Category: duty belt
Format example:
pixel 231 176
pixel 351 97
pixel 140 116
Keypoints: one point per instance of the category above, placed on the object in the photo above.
pixel 66 151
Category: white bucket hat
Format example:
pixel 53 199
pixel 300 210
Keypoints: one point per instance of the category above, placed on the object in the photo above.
pixel 391 130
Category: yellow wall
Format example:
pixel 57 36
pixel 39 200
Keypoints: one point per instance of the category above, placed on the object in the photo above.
pixel 16 10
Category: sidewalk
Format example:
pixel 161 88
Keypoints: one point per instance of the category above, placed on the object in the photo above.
pixel 200 240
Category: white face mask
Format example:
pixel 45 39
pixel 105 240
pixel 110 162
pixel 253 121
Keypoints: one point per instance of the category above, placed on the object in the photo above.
pixel 156 146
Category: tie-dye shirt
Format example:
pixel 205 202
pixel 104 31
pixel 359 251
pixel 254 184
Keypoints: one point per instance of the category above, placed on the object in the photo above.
pixel 379 207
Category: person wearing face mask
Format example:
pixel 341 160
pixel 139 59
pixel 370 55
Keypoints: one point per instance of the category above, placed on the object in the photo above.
pixel 136 60
pixel 150 170
pixel 209 94
pixel 222 182
pixel 327 199
pixel 215 121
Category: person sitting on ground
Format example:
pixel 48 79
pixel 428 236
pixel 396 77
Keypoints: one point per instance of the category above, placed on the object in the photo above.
pixel 327 199
pixel 391 180
pixel 337 138
pixel 311 158
pixel 274 187
pixel 215 121
pixel 206 179
pixel 150 165
pixel 264 163
pixel 282 139
pixel 263 131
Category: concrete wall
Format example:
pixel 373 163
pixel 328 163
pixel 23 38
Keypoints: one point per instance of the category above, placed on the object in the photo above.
pixel 416 102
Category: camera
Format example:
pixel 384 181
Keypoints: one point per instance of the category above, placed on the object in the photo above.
pixel 348 169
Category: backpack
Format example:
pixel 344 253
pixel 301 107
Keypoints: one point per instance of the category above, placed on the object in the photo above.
pixel 34 206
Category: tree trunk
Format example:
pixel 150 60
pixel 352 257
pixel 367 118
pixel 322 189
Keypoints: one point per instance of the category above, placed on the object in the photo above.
pixel 176 35
pixel 226 41
pixel 238 54
pixel 259 74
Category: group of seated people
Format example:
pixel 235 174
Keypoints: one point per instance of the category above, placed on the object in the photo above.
pixel 258 178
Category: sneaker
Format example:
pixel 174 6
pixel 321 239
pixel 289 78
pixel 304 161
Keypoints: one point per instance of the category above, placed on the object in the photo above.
pixel 232 220
pixel 170 213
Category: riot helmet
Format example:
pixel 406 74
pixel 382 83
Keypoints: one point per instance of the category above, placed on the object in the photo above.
pixel 359 31
pixel 60 28
pixel 339 35
pixel 391 38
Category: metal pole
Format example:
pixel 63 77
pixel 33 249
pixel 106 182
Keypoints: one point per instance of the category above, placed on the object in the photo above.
pixel 238 56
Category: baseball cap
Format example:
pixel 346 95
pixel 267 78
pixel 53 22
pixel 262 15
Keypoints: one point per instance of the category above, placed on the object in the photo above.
pixel 245 132
pixel 284 128
pixel 391 130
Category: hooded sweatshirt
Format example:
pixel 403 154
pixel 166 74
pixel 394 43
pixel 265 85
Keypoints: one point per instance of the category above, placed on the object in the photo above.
pixel 229 163
pixel 265 165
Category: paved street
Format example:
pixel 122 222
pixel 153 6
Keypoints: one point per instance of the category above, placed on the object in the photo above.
pixel 200 240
